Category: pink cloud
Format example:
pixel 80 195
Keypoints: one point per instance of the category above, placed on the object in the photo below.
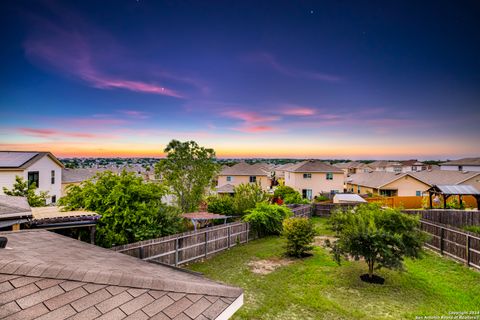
pixel 255 129
pixel 269 60
pixel 70 52
pixel 51 133
pixel 136 114
pixel 299 111
pixel 250 116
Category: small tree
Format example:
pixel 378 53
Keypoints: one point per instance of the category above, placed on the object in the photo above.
pixel 220 204
pixel 266 218
pixel 383 237
pixel 299 233
pixel 246 196
pixel 187 171
pixel 22 189
pixel 289 195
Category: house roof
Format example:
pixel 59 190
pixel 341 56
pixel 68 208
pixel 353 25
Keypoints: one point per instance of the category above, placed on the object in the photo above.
pixel 463 162
pixel 46 274
pixel 23 159
pixel 375 179
pixel 284 167
pixel 14 207
pixel 226 188
pixel 79 175
pixel 443 177
pixel 348 165
pixel 384 163
pixel 457 190
pixel 313 166
pixel 413 162
pixel 245 169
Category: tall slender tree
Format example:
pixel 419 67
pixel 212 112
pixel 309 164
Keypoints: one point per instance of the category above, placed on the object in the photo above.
pixel 188 171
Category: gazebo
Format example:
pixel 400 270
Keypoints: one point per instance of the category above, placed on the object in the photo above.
pixel 447 191
pixel 198 217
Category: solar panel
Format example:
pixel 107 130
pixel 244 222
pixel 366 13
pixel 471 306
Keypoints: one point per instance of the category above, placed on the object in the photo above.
pixel 15 159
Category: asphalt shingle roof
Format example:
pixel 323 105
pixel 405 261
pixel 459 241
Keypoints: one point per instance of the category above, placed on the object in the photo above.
pixel 23 159
pixel 245 169
pixel 463 162
pixel 44 275
pixel 313 166
pixel 14 207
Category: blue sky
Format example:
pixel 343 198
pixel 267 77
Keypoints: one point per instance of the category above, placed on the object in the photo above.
pixel 327 79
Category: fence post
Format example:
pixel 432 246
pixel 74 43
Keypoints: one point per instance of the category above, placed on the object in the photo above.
pixel 247 231
pixel 467 251
pixel 206 243
pixel 141 252
pixel 442 231
pixel 229 235
pixel 176 251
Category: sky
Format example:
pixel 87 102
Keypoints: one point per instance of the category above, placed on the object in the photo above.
pixel 300 79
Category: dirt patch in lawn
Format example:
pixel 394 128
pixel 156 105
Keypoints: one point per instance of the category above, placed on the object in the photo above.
pixel 320 241
pixel 267 266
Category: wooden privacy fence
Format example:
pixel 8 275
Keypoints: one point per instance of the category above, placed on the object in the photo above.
pixel 304 211
pixel 415 202
pixel 460 245
pixel 190 246
pixel 456 218
pixel 325 209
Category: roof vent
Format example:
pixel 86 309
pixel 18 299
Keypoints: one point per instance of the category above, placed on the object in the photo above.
pixel 3 242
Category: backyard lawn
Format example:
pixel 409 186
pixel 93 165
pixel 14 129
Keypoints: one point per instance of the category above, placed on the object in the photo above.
pixel 317 288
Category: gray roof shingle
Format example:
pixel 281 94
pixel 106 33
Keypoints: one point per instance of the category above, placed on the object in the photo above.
pixel 313 166
pixel 86 282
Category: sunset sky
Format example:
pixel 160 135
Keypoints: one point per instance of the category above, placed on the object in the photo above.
pixel 326 79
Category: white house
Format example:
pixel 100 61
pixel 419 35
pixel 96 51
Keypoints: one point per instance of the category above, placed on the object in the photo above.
pixel 41 168
pixel 465 164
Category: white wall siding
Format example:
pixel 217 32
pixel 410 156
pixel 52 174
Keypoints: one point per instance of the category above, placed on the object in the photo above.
pixel 464 168
pixel 45 166
pixel 7 179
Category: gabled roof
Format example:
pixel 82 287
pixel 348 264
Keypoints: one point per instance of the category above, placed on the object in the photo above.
pixel 313 166
pixel 245 169
pixel 443 177
pixel 375 179
pixel 44 273
pixel 412 162
pixel 384 163
pixel 457 190
pixel 23 159
pixel 348 165
pixel 463 162
pixel 79 175
pixel 14 207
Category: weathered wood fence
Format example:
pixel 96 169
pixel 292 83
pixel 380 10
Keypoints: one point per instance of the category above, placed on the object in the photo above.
pixel 303 210
pixel 455 243
pixel 456 218
pixel 195 245
pixel 325 209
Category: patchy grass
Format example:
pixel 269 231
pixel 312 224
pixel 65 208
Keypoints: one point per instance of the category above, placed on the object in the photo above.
pixel 475 229
pixel 317 288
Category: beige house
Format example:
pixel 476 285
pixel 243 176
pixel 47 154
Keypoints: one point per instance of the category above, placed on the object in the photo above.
pixel 41 168
pixel 407 184
pixel 244 173
pixel 313 177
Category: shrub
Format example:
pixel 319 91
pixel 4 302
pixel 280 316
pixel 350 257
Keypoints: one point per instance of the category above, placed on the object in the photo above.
pixel 299 233
pixel 381 236
pixel 246 197
pixel 266 218
pixel 22 189
pixel 220 204
pixel 289 195
pixel 321 198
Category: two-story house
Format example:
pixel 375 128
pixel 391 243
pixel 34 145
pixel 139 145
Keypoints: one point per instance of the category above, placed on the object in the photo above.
pixel 313 177
pixel 242 172
pixel 41 168
pixel 465 164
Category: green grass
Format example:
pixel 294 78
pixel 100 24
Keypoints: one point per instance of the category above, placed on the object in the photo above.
pixel 317 288
pixel 475 229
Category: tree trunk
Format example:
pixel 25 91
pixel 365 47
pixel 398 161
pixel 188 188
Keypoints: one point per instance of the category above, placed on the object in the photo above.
pixel 370 268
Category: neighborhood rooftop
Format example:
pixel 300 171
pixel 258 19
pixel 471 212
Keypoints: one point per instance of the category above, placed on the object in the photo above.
pixel 245 169
pixel 43 273
pixel 22 159
pixel 313 166
pixel 463 162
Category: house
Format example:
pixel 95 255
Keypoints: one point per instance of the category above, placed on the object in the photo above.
pixel 413 165
pixel 386 184
pixel 41 168
pixel 49 276
pixel 353 167
pixel 313 177
pixel 13 212
pixel 245 173
pixel 77 176
pixel 465 164
pixel 408 184
pixel 386 166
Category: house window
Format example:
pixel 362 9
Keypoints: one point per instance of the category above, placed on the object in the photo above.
pixel 229 179
pixel 460 168
pixel 53 176
pixel 358 190
pixel 54 199
pixel 307 194
pixel 253 179
pixel 33 177
pixel 418 193
pixel 414 168
pixel 329 176
pixel 397 169
pixel 307 176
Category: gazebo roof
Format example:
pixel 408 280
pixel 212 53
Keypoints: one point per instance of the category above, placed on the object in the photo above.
pixel 455 189
pixel 203 216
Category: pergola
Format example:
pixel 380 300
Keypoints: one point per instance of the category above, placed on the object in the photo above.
pixel 203 216
pixel 447 191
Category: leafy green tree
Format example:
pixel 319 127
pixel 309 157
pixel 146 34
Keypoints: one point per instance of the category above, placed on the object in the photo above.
pixel 246 196
pixel 188 170
pixel 22 189
pixel 289 195
pixel 299 233
pixel 381 236
pixel 131 209
pixel 266 218
pixel 220 204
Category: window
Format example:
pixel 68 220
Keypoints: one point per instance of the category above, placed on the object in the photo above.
pixel 329 176
pixel 253 179
pixel 307 176
pixel 54 199
pixel 53 176
pixel 397 169
pixel 307 194
pixel 229 179
pixel 418 193
pixel 414 168
pixel 460 168
pixel 33 178
pixel 358 190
